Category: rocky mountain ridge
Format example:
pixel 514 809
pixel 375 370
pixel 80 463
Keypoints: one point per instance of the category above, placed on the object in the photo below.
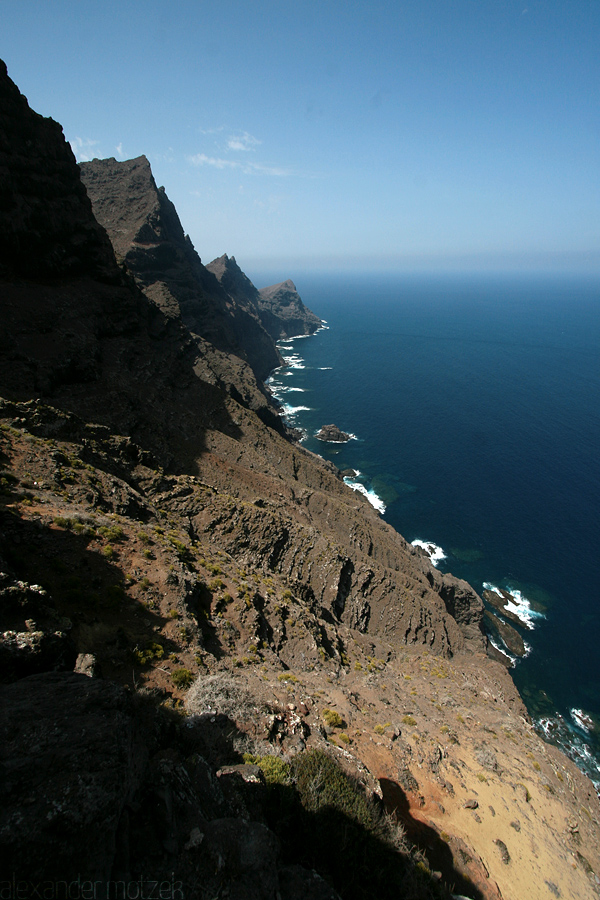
pixel 158 528
pixel 280 308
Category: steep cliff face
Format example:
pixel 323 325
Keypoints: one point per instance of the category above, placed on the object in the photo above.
pixel 113 355
pixel 279 307
pixel 153 529
pixel 45 216
pixel 283 313
pixel 148 238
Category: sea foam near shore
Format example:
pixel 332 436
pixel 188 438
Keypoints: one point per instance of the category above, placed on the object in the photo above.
pixel 519 605
pixel 373 498
pixel 435 553
pixel 569 738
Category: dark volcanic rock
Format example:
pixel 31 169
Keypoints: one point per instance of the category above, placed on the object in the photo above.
pixel 244 296
pixel 509 635
pixel 332 434
pixel 46 221
pixel 148 238
pixel 500 603
pixel 279 307
pixel 283 313
pixel 72 757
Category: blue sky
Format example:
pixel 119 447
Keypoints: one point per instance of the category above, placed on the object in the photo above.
pixel 411 134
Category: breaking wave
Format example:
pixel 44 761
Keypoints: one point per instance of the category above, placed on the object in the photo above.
pixel 289 411
pixel 294 361
pixel 570 738
pixel 435 553
pixel 373 498
pixel 519 605
pixel 502 648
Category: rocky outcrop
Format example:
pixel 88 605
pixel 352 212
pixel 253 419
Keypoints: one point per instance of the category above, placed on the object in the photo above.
pixel 283 313
pixel 72 755
pixel 509 636
pixel 332 434
pixel 279 307
pixel 149 240
pixel 45 216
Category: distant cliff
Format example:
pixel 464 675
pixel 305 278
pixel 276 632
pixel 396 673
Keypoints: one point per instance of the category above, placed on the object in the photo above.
pixel 283 313
pixel 280 309
pixel 149 240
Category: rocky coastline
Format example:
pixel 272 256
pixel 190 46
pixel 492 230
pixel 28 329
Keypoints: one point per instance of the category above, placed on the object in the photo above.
pixel 219 668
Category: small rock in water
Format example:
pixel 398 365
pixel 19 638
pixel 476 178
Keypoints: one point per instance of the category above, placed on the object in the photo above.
pixel 332 434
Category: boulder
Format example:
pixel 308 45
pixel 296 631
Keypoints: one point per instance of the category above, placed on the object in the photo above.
pixel 72 756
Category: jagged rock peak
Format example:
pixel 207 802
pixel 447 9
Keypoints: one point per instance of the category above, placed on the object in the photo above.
pixel 279 307
pixel 287 285
pixel 47 228
pixel 234 280
pixel 149 240
pixel 126 201
pixel 283 313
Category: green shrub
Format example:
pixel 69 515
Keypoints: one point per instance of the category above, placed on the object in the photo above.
pixel 341 834
pixel 181 549
pixel 321 784
pixel 114 595
pixel 275 770
pixel 332 718
pixel 112 533
pixel 216 584
pixel 63 522
pixel 152 651
pixel 182 678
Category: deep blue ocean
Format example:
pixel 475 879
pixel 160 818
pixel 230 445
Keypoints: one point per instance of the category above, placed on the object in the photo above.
pixel 474 402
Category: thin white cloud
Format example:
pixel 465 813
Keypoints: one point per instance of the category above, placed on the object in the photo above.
pixel 119 149
pixel 277 171
pixel 82 148
pixel 248 168
pixel 243 142
pixel 201 159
